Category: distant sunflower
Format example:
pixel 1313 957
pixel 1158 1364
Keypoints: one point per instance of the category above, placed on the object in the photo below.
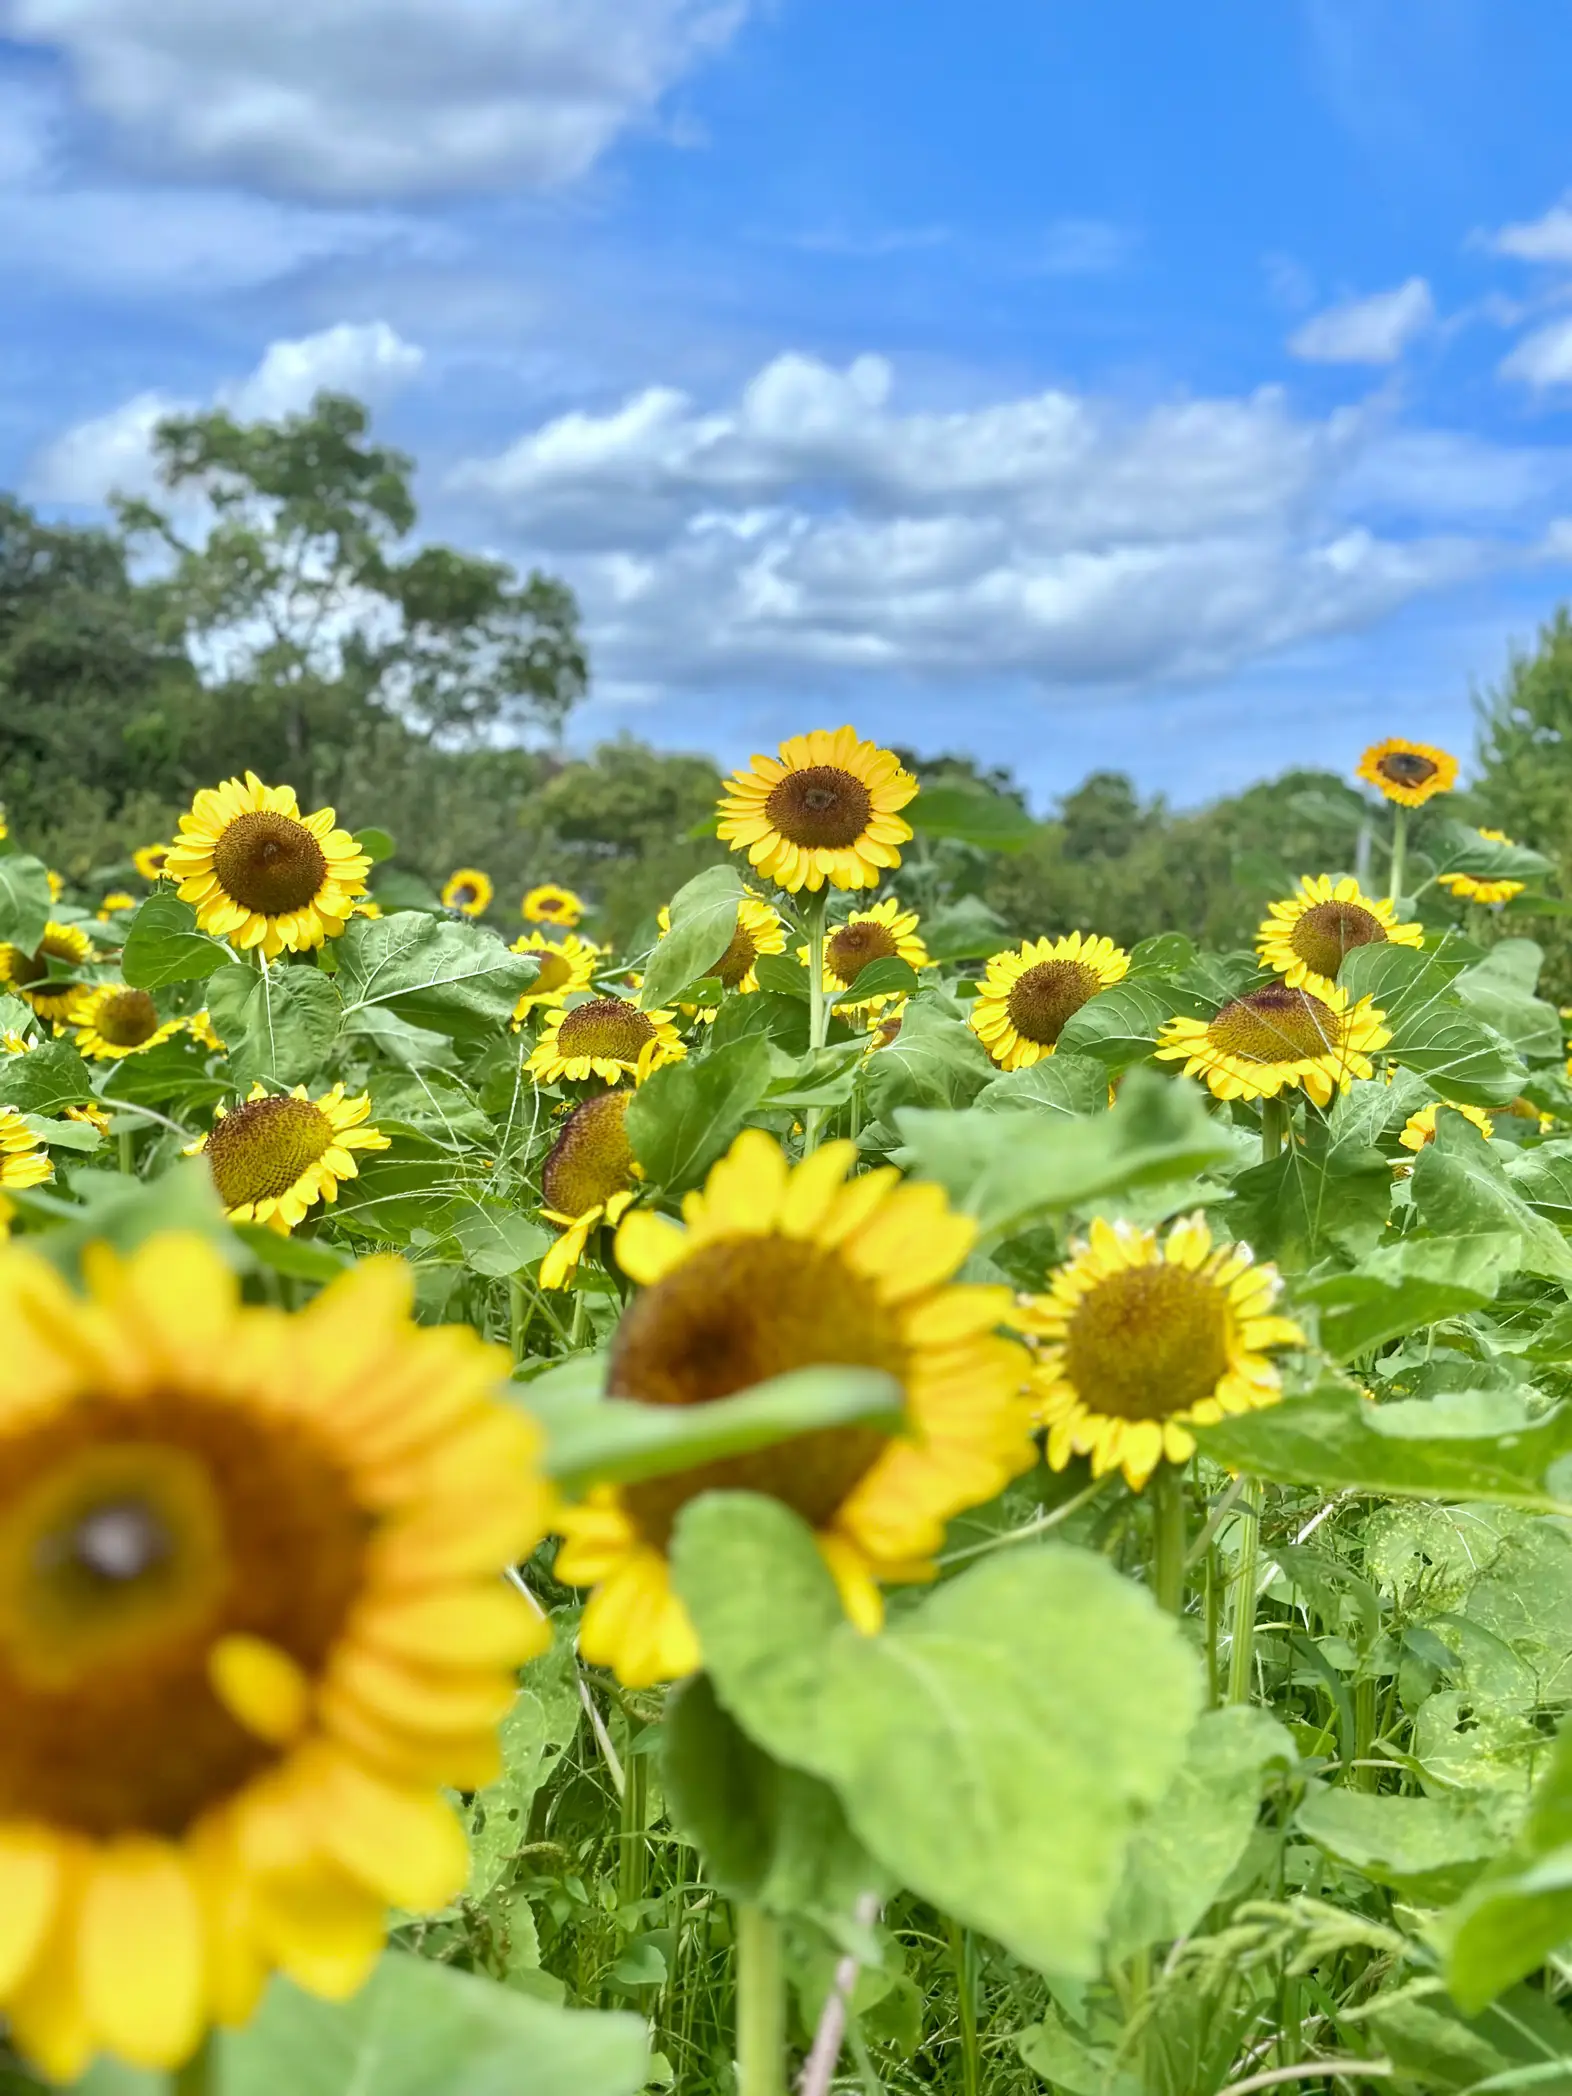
pixel 260 873
pixel 549 904
pixel 149 860
pixel 884 1027
pixel 56 884
pixel 587 1180
pixel 1420 1128
pixel 28 973
pixel 115 1021
pixel 884 933
pixel 824 810
pixel 607 1038
pixel 279 1153
pixel 1473 887
pixel 366 906
pixel 566 966
pixel 23 1159
pixel 1027 995
pixel 468 890
pixel 115 905
pixel 1146 1339
pixel 759 931
pixel 1274 1040
pixel 780 1269
pixel 1307 938
pixel 90 1114
pixel 1409 773
pixel 200 1027
pixel 253 1626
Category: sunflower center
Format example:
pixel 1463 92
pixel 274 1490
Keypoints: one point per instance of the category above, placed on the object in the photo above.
pixel 733 1315
pixel 1329 930
pixel 260 1149
pixel 1276 1025
pixel 131 1539
pixel 606 1026
pixel 464 894
pixel 555 970
pixel 854 946
pixel 591 1159
pixel 126 1019
pixel 738 958
pixel 1148 1342
pixel 269 862
pixel 1045 997
pixel 1407 767
pixel 821 805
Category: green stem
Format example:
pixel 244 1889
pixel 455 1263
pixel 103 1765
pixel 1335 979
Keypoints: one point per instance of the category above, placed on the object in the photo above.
pixel 580 1324
pixel 1168 1538
pixel 963 1952
pixel 199 2075
pixel 1399 852
pixel 818 1006
pixel 1214 1626
pixel 761 2003
pixel 1241 1656
pixel 521 1310
pixel 1274 1127
pixel 127 1156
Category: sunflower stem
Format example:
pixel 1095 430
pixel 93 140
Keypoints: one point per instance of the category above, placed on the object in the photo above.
pixel 521 1310
pixel 199 2075
pixel 1274 1127
pixel 1241 1653
pixel 127 1158
pixel 963 1950
pixel 1399 852
pixel 1168 1537
pixel 818 1007
pixel 761 2003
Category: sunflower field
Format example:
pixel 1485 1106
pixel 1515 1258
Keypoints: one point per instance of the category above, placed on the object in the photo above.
pixel 827 1503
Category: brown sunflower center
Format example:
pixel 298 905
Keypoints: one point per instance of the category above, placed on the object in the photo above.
pixel 854 946
pixel 1407 767
pixel 608 1027
pixel 591 1159
pixel 260 1149
pixel 820 806
pixel 126 1019
pixel 1045 997
pixel 552 905
pixel 1148 1342
pixel 735 1314
pixel 738 958
pixel 131 1539
pixel 269 862
pixel 1329 930
pixel 1276 1025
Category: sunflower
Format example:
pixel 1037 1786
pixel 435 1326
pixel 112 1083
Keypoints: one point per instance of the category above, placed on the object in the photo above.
pixel 1420 1128
pixel 1307 937
pixel 549 904
pixel 780 1269
pixel 884 933
pixel 468 890
pixel 282 1152
pixel 1145 1339
pixel 1027 995
pixel 365 907
pixel 56 884
pixel 23 1159
pixel 586 1180
pixel 566 966
pixel 90 1114
pixel 250 1624
pixel 260 873
pixel 28 973
pixel 1409 773
pixel 825 810
pixel 759 930
pixel 1471 887
pixel 115 1021
pixel 114 905
pixel 1271 1040
pixel 607 1037
pixel 200 1027
pixel 884 1027
pixel 149 860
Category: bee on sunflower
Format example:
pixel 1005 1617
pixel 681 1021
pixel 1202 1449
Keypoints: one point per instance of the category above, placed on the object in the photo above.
pixel 549 904
pixel 253 1626
pixel 28 974
pixel 567 965
pixel 1026 996
pixel 884 933
pixel 1279 1039
pixel 279 1153
pixel 606 1037
pixel 1306 938
pixel 826 809
pixel 262 875
pixel 587 1179
pixel 1472 887
pixel 469 891
pixel 115 1020
pixel 779 1268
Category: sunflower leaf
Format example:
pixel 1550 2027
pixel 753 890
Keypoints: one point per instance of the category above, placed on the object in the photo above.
pixel 889 976
pixel 989 820
pixel 703 925
pixel 24 901
pixel 277 1024
pixel 44 1080
pixel 1119 1026
pixel 164 946
pixel 455 978
pixel 1520 1910
pixel 685 1115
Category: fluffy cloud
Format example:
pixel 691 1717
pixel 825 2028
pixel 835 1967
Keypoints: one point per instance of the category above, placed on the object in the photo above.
pixel 113 453
pixel 1374 330
pixel 1543 358
pixel 809 526
pixel 1547 239
pixel 371 98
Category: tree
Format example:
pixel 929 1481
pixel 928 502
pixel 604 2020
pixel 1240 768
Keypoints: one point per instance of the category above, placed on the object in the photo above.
pixel 1525 782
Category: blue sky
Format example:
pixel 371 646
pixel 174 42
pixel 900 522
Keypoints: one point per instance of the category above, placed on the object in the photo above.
pixel 1184 391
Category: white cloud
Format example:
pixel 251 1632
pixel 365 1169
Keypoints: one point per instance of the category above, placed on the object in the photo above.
pixel 113 453
pixel 1374 330
pixel 1547 239
pixel 355 99
pixel 1543 358
pixel 808 526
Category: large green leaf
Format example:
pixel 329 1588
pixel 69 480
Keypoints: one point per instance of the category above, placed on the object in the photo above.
pixel 1295 1205
pixel 986 819
pixel 532 1734
pixel 703 923
pixel 277 1023
pixel 1455 848
pixel 1520 1911
pixel 24 901
pixel 1460 1188
pixel 455 978
pixel 1402 1287
pixel 44 1080
pixel 935 1060
pixel 1008 1169
pixel 1466 1445
pixel 1120 1026
pixel 1500 990
pixel 993 1749
pixel 1429 1848
pixel 1432 1030
pixel 1073 1085
pixel 164 945
pixel 686 1115
pixel 888 977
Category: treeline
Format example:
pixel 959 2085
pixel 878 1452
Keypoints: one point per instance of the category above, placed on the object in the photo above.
pixel 273 614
